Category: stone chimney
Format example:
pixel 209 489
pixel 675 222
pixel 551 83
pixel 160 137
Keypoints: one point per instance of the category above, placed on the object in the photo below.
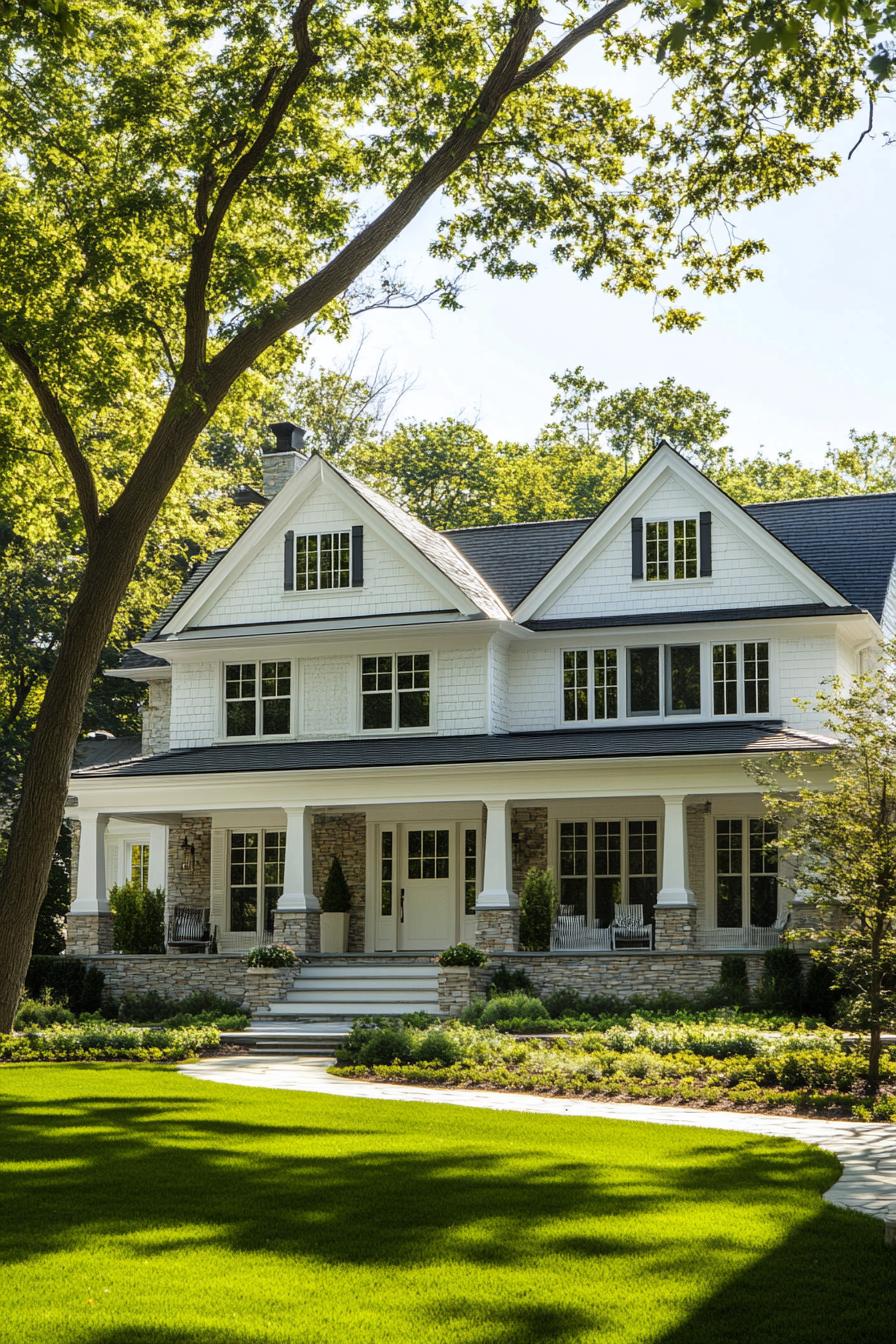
pixel 283 457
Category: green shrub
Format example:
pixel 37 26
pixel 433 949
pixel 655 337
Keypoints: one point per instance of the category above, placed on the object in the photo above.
pixel 201 1009
pixel 733 987
pixel 271 954
pixel 107 1040
pixel 473 1011
pixel 781 985
pixel 68 980
pixel 505 1007
pixel 538 906
pixel 148 1007
pixel 462 954
pixel 139 925
pixel 204 1001
pixel 564 1003
pixel 507 981
pixel 336 898
pixel 820 999
pixel 41 1013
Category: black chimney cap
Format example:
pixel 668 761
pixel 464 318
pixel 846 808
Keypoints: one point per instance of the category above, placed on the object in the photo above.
pixel 289 438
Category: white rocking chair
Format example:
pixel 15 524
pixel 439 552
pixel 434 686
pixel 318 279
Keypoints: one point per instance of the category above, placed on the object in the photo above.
pixel 628 927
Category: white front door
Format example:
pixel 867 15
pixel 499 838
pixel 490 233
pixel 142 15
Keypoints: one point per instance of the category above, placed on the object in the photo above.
pixel 427 900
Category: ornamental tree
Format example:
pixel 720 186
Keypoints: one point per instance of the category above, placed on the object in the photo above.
pixel 836 814
pixel 186 183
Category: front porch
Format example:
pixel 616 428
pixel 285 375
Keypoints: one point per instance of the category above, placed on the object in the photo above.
pixel 700 867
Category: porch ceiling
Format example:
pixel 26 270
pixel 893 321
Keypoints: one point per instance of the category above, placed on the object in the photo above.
pixel 582 744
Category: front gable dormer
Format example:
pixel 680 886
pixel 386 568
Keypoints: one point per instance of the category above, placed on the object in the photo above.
pixel 671 541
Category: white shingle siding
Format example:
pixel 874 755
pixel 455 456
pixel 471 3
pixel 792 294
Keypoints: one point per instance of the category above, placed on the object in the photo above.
pixel 460 692
pixel 741 573
pixel 194 701
pixel 532 688
pixel 498 687
pixel 327 688
pixel 802 666
pixel 256 593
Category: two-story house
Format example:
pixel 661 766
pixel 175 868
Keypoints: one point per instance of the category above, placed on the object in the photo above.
pixel 443 711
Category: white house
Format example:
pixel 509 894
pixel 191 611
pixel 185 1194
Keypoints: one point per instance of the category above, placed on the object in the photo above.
pixel 443 711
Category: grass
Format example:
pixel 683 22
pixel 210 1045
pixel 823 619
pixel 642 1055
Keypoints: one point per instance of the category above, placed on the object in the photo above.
pixel 138 1206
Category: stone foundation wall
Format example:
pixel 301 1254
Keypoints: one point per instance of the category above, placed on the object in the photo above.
pixel 674 928
pixel 173 977
pixel 627 974
pixel 298 929
pixel 343 836
pixel 498 930
pixel 267 984
pixel 87 934
pixel 529 826
pixel 459 984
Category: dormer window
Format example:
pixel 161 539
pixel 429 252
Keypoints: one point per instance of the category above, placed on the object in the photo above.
pixel 322 561
pixel 671 549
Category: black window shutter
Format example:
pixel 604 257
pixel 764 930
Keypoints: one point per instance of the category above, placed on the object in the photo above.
pixel 357 557
pixel 637 548
pixel 289 562
pixel 705 544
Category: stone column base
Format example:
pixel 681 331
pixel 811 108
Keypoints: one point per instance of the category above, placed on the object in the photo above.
pixel 87 935
pixel 498 930
pixel 266 985
pixel 674 928
pixel 298 929
pixel 458 985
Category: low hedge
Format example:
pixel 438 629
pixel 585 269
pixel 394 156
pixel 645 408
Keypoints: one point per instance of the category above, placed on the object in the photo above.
pixel 107 1041
pixel 66 980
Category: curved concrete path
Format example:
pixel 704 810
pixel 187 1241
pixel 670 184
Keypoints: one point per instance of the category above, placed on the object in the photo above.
pixel 867 1151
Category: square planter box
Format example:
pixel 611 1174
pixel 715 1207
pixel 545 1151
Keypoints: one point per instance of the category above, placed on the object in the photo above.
pixel 333 933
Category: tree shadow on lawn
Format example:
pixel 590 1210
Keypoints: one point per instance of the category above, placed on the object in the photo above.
pixel 357 1183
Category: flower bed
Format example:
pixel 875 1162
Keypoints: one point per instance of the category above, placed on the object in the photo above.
pixel 108 1041
pixel 688 1063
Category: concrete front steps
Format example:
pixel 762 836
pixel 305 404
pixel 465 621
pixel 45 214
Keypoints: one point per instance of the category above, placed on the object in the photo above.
pixel 359 989
pixel 272 1036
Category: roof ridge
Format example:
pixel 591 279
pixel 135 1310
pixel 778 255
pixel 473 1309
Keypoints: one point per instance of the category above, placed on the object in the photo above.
pixel 524 522
pixel 820 499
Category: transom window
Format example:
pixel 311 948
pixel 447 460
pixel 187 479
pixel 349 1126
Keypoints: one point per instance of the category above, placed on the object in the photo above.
pixel 139 856
pixel 323 560
pixel 746 872
pixel 740 678
pixel 395 691
pixel 257 699
pixel 590 685
pixel 255 879
pixel 608 863
pixel 671 549
pixel 427 855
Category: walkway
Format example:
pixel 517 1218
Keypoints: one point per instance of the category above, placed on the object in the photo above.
pixel 867 1151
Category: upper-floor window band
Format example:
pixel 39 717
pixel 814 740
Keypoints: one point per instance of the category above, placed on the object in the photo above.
pixel 257 698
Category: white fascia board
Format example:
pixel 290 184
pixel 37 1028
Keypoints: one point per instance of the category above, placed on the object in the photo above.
pixel 860 626
pixel 296 490
pixel 521 782
pixel 376 638
pixel 624 505
pixel 141 673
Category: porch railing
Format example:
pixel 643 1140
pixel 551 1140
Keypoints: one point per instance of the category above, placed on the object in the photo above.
pixel 752 938
pixel 571 933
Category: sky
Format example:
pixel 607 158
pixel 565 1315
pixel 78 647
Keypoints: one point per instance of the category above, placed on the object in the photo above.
pixel 799 358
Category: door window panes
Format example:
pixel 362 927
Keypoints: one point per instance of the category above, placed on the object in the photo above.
pixel 607 869
pixel 644 681
pixel 244 881
pixel 272 876
pixel 140 865
pixel 471 881
pixel 763 869
pixel 683 679
pixel 574 865
pixel 643 869
pixel 427 854
pixel 729 873
pixel 387 871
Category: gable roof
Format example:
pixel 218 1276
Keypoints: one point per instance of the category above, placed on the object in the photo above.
pixel 513 557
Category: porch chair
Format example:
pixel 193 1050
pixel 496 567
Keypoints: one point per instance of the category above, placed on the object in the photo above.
pixel 568 929
pixel 761 935
pixel 190 927
pixel 628 926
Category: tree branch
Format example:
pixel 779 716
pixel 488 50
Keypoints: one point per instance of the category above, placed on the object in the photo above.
pixel 196 326
pixel 568 43
pixel 59 423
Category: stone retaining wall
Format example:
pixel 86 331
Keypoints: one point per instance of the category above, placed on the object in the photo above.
pixel 173 977
pixel 627 974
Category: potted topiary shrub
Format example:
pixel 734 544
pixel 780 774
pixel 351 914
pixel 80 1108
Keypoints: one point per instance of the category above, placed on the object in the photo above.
pixel 335 904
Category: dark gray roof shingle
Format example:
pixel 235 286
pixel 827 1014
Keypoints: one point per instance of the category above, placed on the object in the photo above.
pixel 134 658
pixel 590 743
pixel 513 557
pixel 101 751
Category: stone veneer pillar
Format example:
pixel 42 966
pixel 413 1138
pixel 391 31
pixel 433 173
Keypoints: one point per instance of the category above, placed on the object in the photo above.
pixel 88 925
pixel 675 913
pixel 497 905
pixel 297 917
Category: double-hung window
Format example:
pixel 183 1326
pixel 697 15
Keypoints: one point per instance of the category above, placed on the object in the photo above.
pixel 257 699
pixel 746 857
pixel 607 863
pixel 664 680
pixel 139 865
pixel 671 549
pixel 323 560
pixel 255 879
pixel 590 685
pixel 395 691
pixel 740 678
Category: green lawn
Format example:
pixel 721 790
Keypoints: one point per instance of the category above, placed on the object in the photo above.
pixel 141 1207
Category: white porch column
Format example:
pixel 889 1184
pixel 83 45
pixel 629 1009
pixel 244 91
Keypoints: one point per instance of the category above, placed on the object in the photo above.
pixel 158 858
pixel 675 889
pixel 298 884
pixel 88 925
pixel 497 866
pixel 497 905
pixel 93 892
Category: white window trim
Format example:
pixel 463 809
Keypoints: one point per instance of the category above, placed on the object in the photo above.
pixel 223 736
pixel 741 713
pixel 623 821
pixel 260 831
pixel 670 520
pixel 712 902
pixel 624 716
pixel 395 731
pixel 295 591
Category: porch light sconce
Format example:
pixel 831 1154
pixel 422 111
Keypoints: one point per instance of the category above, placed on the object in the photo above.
pixel 187 856
pixel 515 838
pixel 707 808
